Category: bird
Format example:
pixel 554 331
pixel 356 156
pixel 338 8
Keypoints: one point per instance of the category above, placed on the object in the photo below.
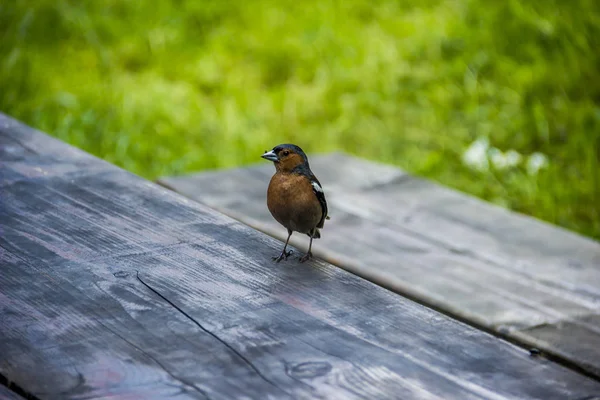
pixel 295 196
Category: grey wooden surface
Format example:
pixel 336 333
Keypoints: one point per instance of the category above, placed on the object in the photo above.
pixel 509 273
pixel 7 394
pixel 113 287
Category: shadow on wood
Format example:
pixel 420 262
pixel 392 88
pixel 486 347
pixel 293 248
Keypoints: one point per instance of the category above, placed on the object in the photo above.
pixel 7 394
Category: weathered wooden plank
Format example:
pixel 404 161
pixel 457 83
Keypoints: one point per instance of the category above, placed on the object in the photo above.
pixel 113 287
pixel 495 268
pixel 7 394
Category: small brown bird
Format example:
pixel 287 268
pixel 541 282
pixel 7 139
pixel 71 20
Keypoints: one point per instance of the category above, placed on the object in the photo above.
pixel 295 197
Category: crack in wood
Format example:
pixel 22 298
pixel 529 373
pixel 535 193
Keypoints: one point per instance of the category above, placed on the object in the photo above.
pixel 161 365
pixel 15 388
pixel 199 325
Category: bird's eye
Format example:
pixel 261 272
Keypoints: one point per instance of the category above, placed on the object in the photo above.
pixel 286 153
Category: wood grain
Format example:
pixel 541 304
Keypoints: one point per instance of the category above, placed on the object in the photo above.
pixel 507 272
pixel 113 287
pixel 7 394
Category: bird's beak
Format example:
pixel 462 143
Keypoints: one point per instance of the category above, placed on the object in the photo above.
pixel 271 156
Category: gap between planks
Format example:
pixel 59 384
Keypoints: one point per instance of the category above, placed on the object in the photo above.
pixel 11 391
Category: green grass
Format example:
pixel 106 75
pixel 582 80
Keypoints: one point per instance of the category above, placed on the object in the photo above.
pixel 169 87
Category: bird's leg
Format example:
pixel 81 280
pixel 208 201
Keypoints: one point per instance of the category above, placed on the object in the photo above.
pixel 284 255
pixel 308 254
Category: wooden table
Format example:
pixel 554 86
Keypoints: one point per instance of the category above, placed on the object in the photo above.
pixel 113 287
pixel 8 394
pixel 516 276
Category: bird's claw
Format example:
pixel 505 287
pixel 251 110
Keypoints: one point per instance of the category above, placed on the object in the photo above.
pixel 305 257
pixel 283 256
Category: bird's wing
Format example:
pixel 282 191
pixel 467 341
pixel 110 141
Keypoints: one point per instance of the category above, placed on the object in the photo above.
pixel 318 190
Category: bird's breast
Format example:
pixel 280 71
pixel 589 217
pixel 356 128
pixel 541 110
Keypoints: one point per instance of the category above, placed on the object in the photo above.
pixel 292 202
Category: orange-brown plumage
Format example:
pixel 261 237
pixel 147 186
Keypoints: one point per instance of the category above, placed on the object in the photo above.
pixel 292 203
pixel 294 196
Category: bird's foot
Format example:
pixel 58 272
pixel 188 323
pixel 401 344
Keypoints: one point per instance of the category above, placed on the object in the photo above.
pixel 305 257
pixel 283 256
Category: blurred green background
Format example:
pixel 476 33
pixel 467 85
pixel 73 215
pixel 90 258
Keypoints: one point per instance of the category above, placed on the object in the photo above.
pixel 174 86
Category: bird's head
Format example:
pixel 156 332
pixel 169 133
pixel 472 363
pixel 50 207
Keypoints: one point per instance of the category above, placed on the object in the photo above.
pixel 286 157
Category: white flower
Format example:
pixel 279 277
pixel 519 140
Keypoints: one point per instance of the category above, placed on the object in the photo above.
pixel 513 158
pixel 476 154
pixel 502 160
pixel 479 155
pixel 536 162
